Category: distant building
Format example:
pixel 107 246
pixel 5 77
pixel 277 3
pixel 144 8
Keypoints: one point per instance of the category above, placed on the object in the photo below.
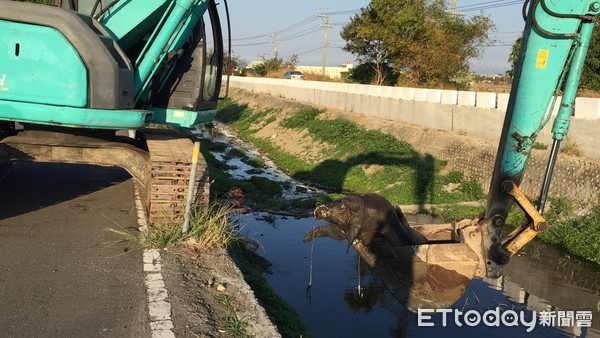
pixel 332 72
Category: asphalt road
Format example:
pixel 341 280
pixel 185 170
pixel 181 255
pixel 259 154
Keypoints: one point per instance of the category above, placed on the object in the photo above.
pixel 62 274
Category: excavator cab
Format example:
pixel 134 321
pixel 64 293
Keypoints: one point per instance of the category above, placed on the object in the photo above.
pixel 110 65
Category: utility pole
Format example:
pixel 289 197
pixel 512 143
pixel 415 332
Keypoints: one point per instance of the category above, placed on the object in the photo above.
pixel 454 7
pixel 327 26
pixel 275 42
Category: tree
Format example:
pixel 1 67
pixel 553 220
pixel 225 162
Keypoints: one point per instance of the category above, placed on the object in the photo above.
pixel 419 39
pixel 275 64
pixel 233 63
pixel 590 76
pixel 513 58
pixel 366 73
pixel 366 46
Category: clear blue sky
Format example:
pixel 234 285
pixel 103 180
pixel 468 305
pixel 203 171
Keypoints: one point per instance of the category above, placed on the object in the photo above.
pixel 299 31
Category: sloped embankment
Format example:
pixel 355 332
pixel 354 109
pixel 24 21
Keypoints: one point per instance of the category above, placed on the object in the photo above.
pixel 343 157
pixel 352 153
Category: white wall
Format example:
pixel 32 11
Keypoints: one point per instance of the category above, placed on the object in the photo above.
pixel 479 114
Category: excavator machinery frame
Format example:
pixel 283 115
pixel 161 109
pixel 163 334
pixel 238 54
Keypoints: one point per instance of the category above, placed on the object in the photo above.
pixel 122 66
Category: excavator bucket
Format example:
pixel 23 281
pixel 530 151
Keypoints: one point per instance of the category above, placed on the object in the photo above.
pixel 432 275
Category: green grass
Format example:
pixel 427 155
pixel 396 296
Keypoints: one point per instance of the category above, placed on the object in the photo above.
pixel 210 227
pixel 405 176
pixel 579 236
pixel 357 160
pixel 256 162
pixel 234 325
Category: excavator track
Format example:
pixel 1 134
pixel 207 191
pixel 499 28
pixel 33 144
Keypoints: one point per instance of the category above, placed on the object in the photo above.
pixel 170 169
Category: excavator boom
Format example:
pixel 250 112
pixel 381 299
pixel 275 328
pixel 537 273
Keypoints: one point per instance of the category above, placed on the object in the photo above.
pixel 552 52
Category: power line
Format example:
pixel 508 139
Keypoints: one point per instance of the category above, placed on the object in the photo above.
pixel 304 22
pixel 309 51
pixel 294 26
pixel 479 4
pixel 287 38
pixel 253 44
pixel 349 11
pixel 302 33
pixel 493 6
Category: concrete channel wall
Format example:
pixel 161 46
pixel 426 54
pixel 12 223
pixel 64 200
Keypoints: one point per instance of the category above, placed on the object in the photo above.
pixel 575 178
pixel 479 114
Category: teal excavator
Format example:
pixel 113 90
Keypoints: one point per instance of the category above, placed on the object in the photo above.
pixel 75 73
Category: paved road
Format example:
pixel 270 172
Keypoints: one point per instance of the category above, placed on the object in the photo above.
pixel 61 273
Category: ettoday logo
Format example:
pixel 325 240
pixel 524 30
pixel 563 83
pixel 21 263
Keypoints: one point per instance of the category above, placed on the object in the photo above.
pixel 498 317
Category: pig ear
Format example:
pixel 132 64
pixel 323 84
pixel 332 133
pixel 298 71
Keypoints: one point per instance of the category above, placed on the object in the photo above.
pixel 355 203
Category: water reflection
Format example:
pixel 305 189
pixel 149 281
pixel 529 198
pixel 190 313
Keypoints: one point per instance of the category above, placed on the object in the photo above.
pixel 541 280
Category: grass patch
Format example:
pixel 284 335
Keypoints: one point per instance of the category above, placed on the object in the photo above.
pixel 256 162
pixel 235 152
pixel 571 148
pixel 234 325
pixel 579 236
pixel 210 227
pixel 405 177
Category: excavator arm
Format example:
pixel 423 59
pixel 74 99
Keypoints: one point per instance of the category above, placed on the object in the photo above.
pixel 553 49
pixel 435 274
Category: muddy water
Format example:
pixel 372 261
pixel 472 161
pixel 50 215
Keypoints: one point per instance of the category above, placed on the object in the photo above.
pixel 542 279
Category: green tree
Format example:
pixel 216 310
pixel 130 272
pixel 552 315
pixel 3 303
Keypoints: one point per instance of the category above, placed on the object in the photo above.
pixel 419 39
pixel 590 76
pixel 368 48
pixel 275 64
pixel 366 73
pixel 513 58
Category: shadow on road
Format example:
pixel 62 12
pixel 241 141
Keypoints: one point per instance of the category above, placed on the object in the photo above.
pixel 32 186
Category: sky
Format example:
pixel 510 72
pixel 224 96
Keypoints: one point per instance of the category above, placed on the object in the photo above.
pixel 300 30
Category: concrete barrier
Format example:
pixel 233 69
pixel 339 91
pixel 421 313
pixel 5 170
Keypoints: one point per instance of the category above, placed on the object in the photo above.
pixel 467 99
pixel 587 108
pixel 420 95
pixel 502 101
pixel 479 114
pixel 434 96
pixel 450 97
pixel 485 100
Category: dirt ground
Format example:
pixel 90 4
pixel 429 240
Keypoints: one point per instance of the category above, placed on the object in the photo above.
pixel 198 286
